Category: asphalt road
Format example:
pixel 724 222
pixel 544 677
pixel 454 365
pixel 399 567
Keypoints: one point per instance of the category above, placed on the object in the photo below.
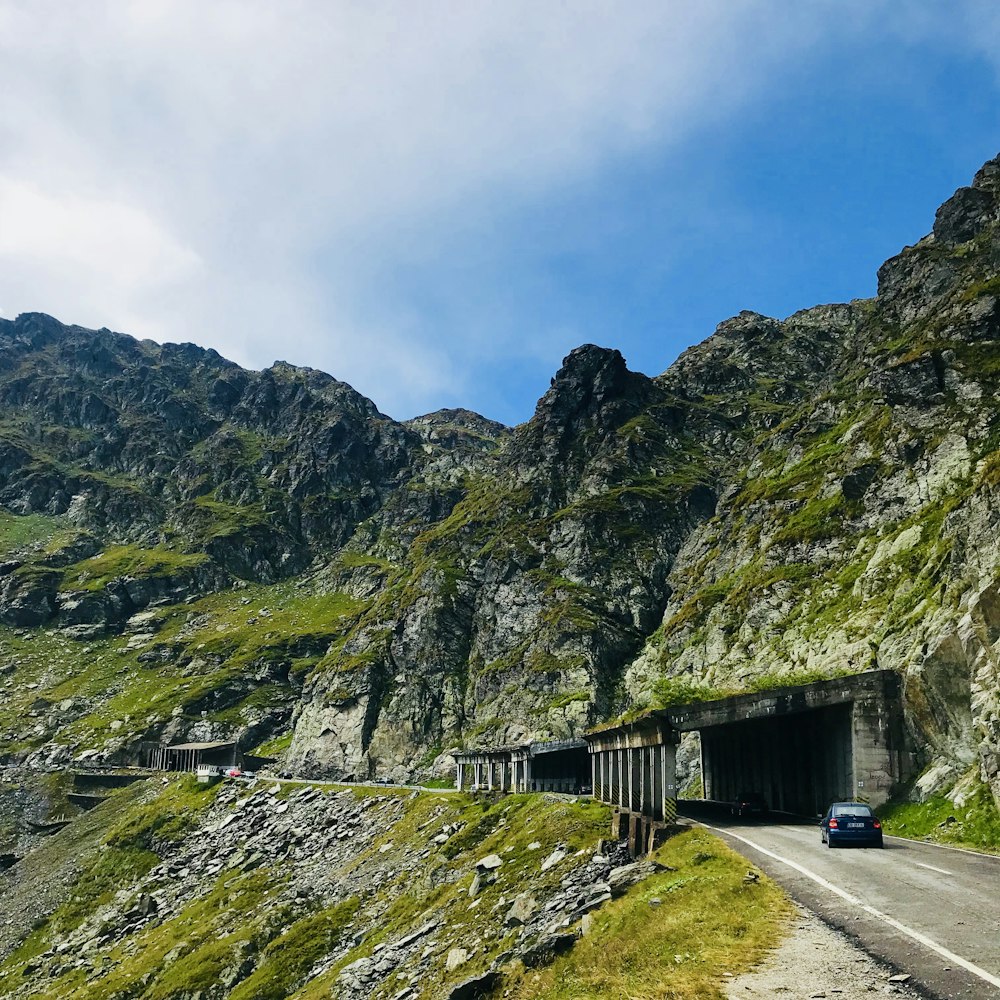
pixel 929 911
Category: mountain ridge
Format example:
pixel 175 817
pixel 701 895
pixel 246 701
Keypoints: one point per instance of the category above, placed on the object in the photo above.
pixel 790 497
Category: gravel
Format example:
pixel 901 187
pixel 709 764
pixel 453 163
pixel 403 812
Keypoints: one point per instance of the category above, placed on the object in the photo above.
pixel 816 961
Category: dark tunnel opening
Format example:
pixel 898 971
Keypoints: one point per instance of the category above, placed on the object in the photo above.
pixel 800 763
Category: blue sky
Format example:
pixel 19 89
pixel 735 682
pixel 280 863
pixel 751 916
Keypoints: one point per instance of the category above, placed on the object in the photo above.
pixel 436 202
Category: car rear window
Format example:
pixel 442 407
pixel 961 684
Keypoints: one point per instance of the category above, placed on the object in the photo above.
pixel 862 811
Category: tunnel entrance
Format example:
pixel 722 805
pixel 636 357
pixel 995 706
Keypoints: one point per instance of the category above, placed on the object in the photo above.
pixel 800 763
pixel 801 746
pixel 804 746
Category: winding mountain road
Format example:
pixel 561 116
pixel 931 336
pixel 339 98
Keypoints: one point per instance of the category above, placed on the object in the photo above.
pixel 933 912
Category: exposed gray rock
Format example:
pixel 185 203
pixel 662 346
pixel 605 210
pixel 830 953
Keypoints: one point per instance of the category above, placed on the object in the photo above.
pixel 477 987
pixel 620 879
pixel 547 948
pixel 553 859
pixel 456 957
pixel 521 911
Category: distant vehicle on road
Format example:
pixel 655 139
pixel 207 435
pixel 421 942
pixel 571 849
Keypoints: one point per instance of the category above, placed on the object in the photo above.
pixel 749 804
pixel 850 823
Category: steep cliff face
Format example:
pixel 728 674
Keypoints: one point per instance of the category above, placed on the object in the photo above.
pixel 200 550
pixel 860 528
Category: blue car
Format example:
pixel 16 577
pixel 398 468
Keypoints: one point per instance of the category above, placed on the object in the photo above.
pixel 850 823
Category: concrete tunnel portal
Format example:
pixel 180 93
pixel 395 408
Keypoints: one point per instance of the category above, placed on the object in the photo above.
pixel 800 746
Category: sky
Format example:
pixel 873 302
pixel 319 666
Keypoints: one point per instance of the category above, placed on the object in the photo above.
pixel 437 201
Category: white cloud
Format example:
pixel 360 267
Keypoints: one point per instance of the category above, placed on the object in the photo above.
pixel 90 235
pixel 248 174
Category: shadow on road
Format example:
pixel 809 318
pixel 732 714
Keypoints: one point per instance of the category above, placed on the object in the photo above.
pixel 721 812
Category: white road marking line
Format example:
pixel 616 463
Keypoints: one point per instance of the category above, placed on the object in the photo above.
pixel 940 871
pixel 870 910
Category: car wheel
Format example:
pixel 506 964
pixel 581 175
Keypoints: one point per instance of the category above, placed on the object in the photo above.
pixel 829 843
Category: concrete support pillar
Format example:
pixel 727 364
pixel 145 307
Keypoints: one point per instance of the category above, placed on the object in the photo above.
pixel 622 779
pixel 593 776
pixel 460 776
pixel 489 774
pixel 527 775
pixel 656 755
pixel 648 781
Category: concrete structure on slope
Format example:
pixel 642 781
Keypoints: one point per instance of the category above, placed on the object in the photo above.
pixel 219 754
pixel 801 747
pixel 555 766
pixel 634 769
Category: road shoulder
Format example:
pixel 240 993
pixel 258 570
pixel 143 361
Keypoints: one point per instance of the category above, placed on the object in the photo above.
pixel 816 961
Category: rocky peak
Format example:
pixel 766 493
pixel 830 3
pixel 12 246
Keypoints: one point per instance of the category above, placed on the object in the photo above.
pixel 457 428
pixel 301 383
pixel 592 389
pixel 970 209
pixel 587 372
pixel 751 355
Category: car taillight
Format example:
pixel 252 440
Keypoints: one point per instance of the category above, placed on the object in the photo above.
pixel 877 825
pixel 833 823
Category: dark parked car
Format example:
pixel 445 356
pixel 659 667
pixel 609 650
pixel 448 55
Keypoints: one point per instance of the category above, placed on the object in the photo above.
pixel 749 804
pixel 850 823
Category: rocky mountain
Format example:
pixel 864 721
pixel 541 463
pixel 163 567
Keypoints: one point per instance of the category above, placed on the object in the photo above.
pixel 191 549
